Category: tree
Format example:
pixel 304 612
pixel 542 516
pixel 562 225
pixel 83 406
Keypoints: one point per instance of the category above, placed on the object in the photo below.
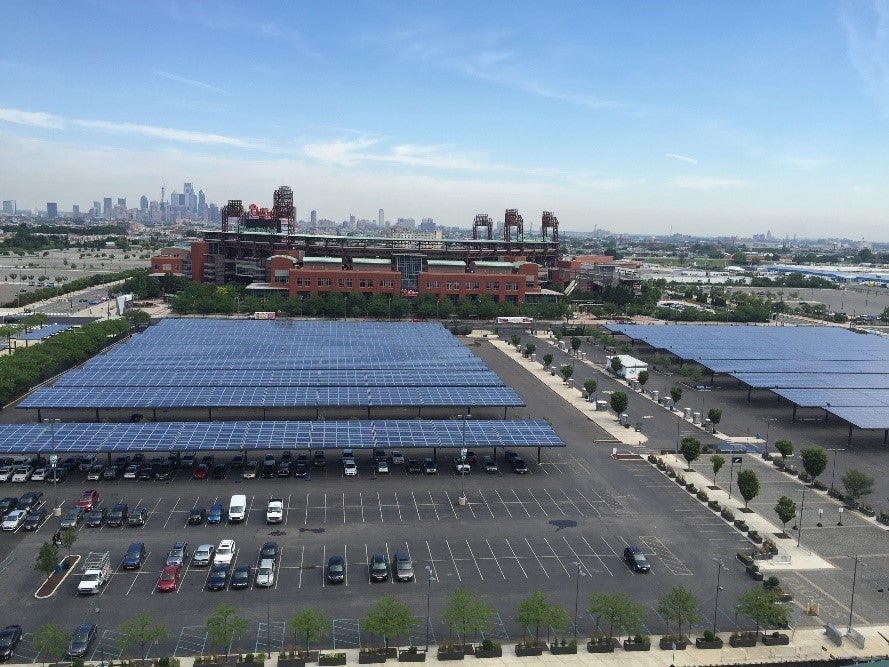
pixel 784 447
pixel 547 360
pixel 535 610
pixel 223 627
pixel 69 537
pixel 814 461
pixel 857 485
pixel 308 623
pixel 748 485
pixel 717 461
pixel 619 402
pixel 47 559
pixel 466 614
pixel 759 606
pixel 566 371
pixel 786 510
pixel 389 618
pixel 515 340
pixel 642 378
pixel 590 387
pixel 676 394
pixel 576 342
pixel 619 610
pixel 142 629
pixel 715 416
pixel 50 641
pixel 679 606
pixel 616 364
pixel 529 349
pixel 690 448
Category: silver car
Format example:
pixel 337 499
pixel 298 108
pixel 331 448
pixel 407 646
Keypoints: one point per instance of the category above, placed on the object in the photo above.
pixel 265 573
pixel 203 555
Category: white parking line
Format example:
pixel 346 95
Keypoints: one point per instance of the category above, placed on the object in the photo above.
pixel 151 512
pixel 469 505
pixel 555 555
pixel 600 557
pixel 278 573
pixel 515 556
pixel 346 564
pixel 249 509
pixel 287 510
pixel 432 562
pixel 487 504
pixel 389 560
pixel 366 562
pixel 172 512
pixel 494 557
pixel 568 498
pixel 398 505
pixel 558 507
pixel 434 508
pixel 419 518
pixel 588 502
pixel 456 569
pixel 481 576
pixel 450 502
pixel 522 504
pixel 361 501
pixel 545 513
pixel 534 553
pixel 503 502
pixel 380 503
pixel 302 556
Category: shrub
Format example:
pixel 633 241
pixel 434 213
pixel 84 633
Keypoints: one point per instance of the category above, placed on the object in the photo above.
pixel 714 505
pixel 680 479
pixel 745 558
pixel 771 582
pixel 641 639
pixel 702 495
pixel 691 488
pixel 884 518
pixel 727 514
pixel 248 657
pixel 709 636
pixel 821 486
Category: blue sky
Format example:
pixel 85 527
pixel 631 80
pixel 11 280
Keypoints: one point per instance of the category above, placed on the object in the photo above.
pixel 700 117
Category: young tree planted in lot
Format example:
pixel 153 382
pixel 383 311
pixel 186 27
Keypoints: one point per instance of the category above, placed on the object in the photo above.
pixel 786 510
pixel 535 610
pixel 748 485
pixel 715 416
pixel 619 610
pixel 547 360
pixel 784 447
pixel 466 614
pixel 590 387
pixel 676 394
pixel 642 378
pixel 47 559
pixel 717 461
pixel 619 402
pixel 814 461
pixel 50 640
pixel 389 618
pixel 857 485
pixel 759 606
pixel 679 606
pixel 224 626
pixel 529 349
pixel 308 624
pixel 142 629
pixel 566 371
pixel 616 364
pixel 691 449
pixel 69 537
pixel 515 340
pixel 576 342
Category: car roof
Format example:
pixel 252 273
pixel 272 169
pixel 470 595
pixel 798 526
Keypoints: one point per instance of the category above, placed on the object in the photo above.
pixel 136 545
pixel 204 547
pixel 84 626
pixel 335 559
pixel 180 544
pixel 378 556
pixel 171 567
pixel 226 543
pixel 402 554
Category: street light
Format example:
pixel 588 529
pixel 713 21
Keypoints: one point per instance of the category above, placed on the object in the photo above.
pixel 429 581
pixel 462 499
pixel 852 600
pixel 802 506
pixel 720 567
pixel 768 421
pixel 833 473
pixel 580 573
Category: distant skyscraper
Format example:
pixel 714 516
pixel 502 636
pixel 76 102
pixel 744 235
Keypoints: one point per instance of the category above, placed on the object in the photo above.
pixel 143 203
pixel 427 225
pixel 202 202
pixel 351 222
pixel 106 210
pixel 314 215
pixel 52 210
pixel 122 203
pixel 9 206
pixel 191 199
pixel 97 209
pixel 382 218
pixel 75 211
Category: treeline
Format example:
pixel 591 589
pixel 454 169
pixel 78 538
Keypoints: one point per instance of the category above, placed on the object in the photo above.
pixel 26 298
pixel 794 281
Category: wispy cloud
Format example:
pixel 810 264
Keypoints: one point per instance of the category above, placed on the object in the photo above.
pixel 707 183
pixel 681 158
pixel 185 136
pixel 32 118
pixel 805 163
pixel 868 42
pixel 188 82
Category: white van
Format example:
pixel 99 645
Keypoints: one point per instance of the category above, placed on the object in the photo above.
pixel 237 508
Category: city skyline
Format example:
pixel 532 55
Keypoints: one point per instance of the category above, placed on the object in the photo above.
pixel 690 118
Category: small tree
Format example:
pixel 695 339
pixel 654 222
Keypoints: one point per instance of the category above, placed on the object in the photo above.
pixel 142 629
pixel 547 360
pixel 616 364
pixel 857 485
pixel 759 606
pixel 676 394
pixel 717 461
pixel 515 339
pixel 535 610
pixel 679 606
pixel 642 378
pixel 715 416
pixel 786 510
pixel 566 371
pixel 308 624
pixel 224 626
pixel 575 344
pixel 69 537
pixel 784 447
pixel 529 349
pixel 590 387
pixel 619 402
pixel 466 614
pixel 388 618
pixel 50 641
pixel 748 485
pixel 814 461
pixel 619 610
pixel 691 449
pixel 47 559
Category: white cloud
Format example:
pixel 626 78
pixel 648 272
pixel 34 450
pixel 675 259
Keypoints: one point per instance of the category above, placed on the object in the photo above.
pixel 707 183
pixel 32 118
pixel 341 152
pixel 188 82
pixel 805 163
pixel 170 134
pixel 681 158
pixel 868 39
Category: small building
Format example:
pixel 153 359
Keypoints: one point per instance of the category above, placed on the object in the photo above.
pixel 630 366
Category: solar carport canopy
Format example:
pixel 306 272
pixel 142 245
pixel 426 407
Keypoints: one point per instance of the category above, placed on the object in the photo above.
pixel 840 371
pixel 274 435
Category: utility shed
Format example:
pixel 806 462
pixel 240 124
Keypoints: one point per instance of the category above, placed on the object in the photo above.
pixel 630 366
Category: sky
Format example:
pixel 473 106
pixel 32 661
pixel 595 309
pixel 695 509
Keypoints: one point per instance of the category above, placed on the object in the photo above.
pixel 711 117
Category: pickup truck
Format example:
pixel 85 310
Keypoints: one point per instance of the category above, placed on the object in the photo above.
pixel 96 572
pixel 275 511
pixel 461 466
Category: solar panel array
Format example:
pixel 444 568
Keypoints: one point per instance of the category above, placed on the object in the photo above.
pixel 274 435
pixel 840 371
pixel 45 332
pixel 280 364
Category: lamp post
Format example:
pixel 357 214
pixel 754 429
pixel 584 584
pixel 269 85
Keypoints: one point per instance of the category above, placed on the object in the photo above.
pixel 833 473
pixel 462 499
pixel 53 457
pixel 580 573
pixel 768 421
pixel 802 506
pixel 720 567
pixel 429 581
pixel 852 600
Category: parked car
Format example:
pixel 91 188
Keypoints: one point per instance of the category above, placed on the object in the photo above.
pixel 382 466
pixel 118 514
pixel 283 469
pixel 269 471
pixel 350 468
pixel 85 462
pixel 471 457
pixel 137 517
pixel 429 467
pixel 241 577
pixel 216 514
pixel 34 519
pixel 10 636
pixel 269 550
pixel 40 474
pixel 88 499
pixel 8 504
pixel 147 472
pixel 203 555
pixel 169 579
pixel 187 460
pixel 413 467
pixel 319 460
pixel 95 472
pixel 71 519
pixel 300 471
pixel 518 464
pixel 265 573
pixel 5 473
pixel 178 554
pixel 336 570
pixel 96 518
pixel 218 577
pixel 636 559
pixel 402 566
pixel 132 471
pixel 250 470
pixel 56 475
pixel 461 466
pixel 22 474
pixel 196 516
pixel 225 552
pixel 81 639
pixel 379 569
pixel 164 471
pixel 396 457
pixel 13 520
pixel 489 465
pixel 111 472
pixel 237 462
pixel 200 472
pixel 219 471
pixel 135 556
pixel 509 455
pixel 29 500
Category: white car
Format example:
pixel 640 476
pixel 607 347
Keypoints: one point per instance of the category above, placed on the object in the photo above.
pixel 275 511
pixel 397 458
pixel 5 473
pixel 14 519
pixel 225 552
pixel 39 475
pixel 350 469
pixel 382 466
pixel 265 573
pixel 132 472
pixel 22 475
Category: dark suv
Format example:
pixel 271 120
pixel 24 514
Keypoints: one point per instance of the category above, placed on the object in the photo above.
pixel 336 570
pixel 118 514
pixel 636 559
pixel 379 568
pixel 134 557
pixel 10 636
pixel 81 639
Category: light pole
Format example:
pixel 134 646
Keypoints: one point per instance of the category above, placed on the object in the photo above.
pixel 768 421
pixel 852 600
pixel 429 581
pixel 53 457
pixel 833 473
pixel 462 460
pixel 720 568
pixel 802 506
pixel 580 573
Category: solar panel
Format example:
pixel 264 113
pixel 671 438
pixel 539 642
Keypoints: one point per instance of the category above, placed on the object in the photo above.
pixel 44 332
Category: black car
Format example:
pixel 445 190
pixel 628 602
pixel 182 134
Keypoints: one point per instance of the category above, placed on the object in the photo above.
pixel 319 460
pixel 138 517
pixel 413 467
pixel 135 556
pixel 10 636
pixel 34 519
pixel 269 550
pixel 283 469
pixel 147 473
pixel 197 516
pixel 237 464
pixel 96 517
pixel 7 505
pixel 71 519
pixel 269 471
pixel 241 577
pixel 118 515
pixel 81 640
pixel 302 459
pixel 207 460
pixel 56 475
pixel 111 472
pixel 187 461
pixel 518 464
pixel 29 500
pixel 336 570
pixel 218 578
pixel 636 559
pixel 301 471
pixel 508 456
pixel 218 472
pixel 164 471
pixel 378 567
pixel 429 467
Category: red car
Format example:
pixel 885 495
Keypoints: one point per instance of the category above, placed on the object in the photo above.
pixel 88 500
pixel 200 472
pixel 169 578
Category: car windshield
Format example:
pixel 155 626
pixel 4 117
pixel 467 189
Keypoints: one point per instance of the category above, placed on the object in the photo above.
pixel 638 557
pixel 168 576
pixel 6 639
pixel 378 565
pixel 336 567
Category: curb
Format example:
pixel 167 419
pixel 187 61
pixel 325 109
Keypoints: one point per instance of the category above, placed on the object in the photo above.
pixel 65 575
